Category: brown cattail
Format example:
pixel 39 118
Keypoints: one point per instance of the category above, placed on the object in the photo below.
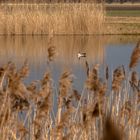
pixel 135 56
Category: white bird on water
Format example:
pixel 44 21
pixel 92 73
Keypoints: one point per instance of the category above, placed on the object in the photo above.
pixel 81 55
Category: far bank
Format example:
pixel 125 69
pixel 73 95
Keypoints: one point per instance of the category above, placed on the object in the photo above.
pixel 122 26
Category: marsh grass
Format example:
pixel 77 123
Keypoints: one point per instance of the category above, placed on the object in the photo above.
pixel 43 111
pixel 61 18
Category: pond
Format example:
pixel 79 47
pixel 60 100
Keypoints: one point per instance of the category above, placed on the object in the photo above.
pixel 112 51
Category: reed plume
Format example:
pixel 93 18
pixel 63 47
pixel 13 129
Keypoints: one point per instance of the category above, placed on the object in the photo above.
pixel 134 79
pixel 118 77
pixel 92 82
pixel 135 56
pixel 65 83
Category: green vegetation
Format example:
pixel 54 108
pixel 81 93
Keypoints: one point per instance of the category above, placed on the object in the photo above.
pixel 124 13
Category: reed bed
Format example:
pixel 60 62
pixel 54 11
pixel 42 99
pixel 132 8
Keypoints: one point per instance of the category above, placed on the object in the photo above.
pixel 61 18
pixel 43 111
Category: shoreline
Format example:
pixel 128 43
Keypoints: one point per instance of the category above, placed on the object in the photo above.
pixel 122 26
pixel 24 23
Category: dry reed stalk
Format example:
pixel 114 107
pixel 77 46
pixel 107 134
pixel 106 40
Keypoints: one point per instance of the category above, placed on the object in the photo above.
pixel 92 82
pixel 22 130
pixel 135 56
pixel 44 96
pixel 63 124
pixel 64 87
pixel 71 121
pixel 79 18
pixel 127 109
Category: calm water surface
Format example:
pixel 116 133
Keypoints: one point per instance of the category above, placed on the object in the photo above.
pixel 105 50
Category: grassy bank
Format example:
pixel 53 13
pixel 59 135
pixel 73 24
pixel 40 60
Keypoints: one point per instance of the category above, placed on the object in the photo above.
pixel 122 18
pixel 68 19
pixel 51 18
pixel 122 26
pixel 124 13
pixel 106 109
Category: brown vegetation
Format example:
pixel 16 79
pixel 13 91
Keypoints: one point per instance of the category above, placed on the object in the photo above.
pixel 122 25
pixel 135 57
pixel 61 18
pixel 99 112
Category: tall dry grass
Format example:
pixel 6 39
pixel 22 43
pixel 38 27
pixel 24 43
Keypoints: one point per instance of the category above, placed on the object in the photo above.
pixel 59 18
pixel 43 111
